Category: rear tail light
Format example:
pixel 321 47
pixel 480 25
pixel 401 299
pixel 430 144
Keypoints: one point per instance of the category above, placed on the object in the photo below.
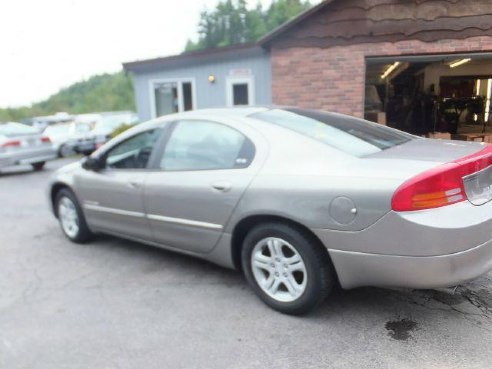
pixel 12 143
pixel 45 139
pixel 468 178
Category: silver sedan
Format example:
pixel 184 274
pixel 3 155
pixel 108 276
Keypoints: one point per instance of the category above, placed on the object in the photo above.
pixel 300 200
pixel 24 145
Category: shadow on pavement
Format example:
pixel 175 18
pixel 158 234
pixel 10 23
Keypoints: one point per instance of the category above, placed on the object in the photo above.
pixel 407 308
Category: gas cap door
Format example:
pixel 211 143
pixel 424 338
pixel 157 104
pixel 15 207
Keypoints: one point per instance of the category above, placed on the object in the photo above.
pixel 343 210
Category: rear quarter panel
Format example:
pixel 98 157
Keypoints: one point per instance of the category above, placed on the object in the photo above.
pixel 316 185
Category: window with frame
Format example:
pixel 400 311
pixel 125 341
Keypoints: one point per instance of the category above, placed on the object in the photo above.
pixel 240 94
pixel 173 97
pixel 240 91
pixel 134 153
pixel 204 145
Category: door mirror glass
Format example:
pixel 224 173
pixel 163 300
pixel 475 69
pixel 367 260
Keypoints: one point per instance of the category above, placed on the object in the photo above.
pixel 202 145
pixel 92 163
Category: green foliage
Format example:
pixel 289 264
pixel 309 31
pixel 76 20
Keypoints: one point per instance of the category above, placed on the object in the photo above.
pixel 106 92
pixel 231 22
pixel 121 129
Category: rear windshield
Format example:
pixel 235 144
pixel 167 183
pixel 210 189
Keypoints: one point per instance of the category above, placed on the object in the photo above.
pixel 13 129
pixel 351 135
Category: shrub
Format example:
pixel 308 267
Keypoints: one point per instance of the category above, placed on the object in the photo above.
pixel 121 129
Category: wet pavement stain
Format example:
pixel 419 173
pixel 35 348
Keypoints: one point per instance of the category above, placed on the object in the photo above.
pixel 400 329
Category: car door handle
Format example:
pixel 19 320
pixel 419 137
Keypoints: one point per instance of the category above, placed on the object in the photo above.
pixel 221 186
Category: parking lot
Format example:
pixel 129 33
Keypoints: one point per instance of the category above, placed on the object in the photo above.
pixel 117 304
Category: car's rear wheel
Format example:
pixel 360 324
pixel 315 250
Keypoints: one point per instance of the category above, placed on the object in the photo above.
pixel 287 268
pixel 38 166
pixel 65 151
pixel 71 217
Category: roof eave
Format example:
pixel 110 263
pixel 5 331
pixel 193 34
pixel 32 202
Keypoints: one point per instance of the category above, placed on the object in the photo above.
pixel 188 56
pixel 268 38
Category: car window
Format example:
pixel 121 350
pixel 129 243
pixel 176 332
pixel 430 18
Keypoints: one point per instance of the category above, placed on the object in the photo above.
pixel 134 153
pixel 351 135
pixel 203 145
pixel 82 128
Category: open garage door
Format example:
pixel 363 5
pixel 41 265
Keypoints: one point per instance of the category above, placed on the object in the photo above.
pixel 444 96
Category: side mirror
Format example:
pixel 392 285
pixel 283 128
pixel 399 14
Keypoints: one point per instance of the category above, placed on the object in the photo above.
pixel 93 163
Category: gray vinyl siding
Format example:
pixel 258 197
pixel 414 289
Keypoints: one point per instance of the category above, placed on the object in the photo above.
pixel 207 95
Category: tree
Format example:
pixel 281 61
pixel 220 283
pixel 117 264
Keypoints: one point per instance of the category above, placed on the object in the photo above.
pixel 231 22
pixel 106 92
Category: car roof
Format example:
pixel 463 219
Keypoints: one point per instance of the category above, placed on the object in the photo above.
pixel 232 111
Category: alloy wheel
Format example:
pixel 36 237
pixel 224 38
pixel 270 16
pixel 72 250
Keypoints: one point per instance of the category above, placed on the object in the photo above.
pixel 68 217
pixel 278 269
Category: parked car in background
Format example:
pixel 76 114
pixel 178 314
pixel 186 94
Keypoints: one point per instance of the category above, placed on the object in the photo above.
pixel 69 138
pixel 300 200
pixel 42 122
pixel 21 144
pixel 90 118
pixel 109 122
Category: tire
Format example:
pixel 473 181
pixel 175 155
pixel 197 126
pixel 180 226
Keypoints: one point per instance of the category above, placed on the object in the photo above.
pixel 38 166
pixel 299 291
pixel 78 232
pixel 65 151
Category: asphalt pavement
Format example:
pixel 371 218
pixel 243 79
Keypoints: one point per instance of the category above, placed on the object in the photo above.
pixel 117 304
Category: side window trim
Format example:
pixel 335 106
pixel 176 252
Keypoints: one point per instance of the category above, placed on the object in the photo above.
pixel 161 144
pixel 171 129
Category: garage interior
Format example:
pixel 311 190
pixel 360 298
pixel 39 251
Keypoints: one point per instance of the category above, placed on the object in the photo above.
pixel 444 96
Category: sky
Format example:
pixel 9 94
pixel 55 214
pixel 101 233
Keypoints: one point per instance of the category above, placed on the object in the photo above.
pixel 46 45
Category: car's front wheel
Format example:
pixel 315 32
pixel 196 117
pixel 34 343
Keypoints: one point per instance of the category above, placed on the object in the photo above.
pixel 71 217
pixel 287 268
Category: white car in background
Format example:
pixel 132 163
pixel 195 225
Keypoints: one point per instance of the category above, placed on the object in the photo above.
pixel 24 145
pixel 40 123
pixel 107 125
pixel 68 137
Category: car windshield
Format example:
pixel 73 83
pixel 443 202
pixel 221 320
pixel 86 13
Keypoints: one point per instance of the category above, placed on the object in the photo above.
pixel 57 129
pixel 351 135
pixel 13 129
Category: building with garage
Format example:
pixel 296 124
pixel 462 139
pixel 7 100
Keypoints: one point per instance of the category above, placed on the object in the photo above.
pixel 418 65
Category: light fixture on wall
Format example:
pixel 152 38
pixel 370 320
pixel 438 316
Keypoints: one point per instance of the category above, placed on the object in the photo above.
pixel 211 78
pixel 390 69
pixel 457 63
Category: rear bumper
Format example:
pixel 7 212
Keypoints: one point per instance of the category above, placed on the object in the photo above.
pixel 441 231
pixel 356 269
pixel 422 249
pixel 27 157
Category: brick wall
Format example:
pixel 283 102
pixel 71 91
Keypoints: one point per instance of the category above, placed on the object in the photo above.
pixel 334 78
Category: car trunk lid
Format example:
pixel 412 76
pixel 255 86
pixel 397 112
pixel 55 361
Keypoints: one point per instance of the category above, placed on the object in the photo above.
pixel 430 150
